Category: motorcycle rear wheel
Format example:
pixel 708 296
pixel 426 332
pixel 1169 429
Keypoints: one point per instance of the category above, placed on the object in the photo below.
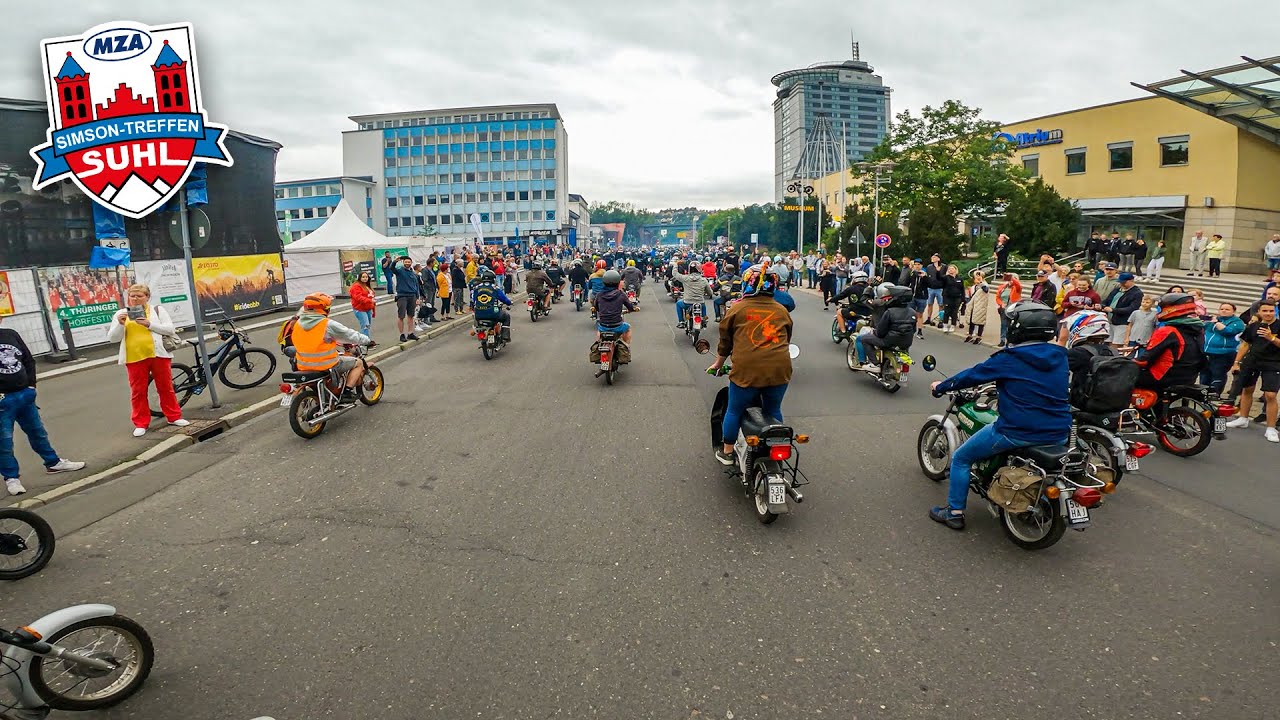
pixel 26 543
pixel 1178 421
pixel 487 351
pixel 760 497
pixel 1036 529
pixel 932 433
pixel 305 405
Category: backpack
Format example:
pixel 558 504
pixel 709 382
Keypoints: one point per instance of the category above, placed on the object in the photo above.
pixel 285 335
pixel 1108 385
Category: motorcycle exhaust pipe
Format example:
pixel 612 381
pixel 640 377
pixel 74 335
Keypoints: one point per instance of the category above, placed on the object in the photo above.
pixel 329 415
pixel 795 494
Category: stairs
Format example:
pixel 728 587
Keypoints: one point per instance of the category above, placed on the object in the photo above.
pixel 1240 290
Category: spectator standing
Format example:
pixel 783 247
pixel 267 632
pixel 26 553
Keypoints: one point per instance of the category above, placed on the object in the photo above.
pixel 1123 302
pixel 1215 249
pixel 952 299
pixel 826 281
pixel 18 406
pixel 1113 249
pixel 1108 283
pixel 919 284
pixel 1156 264
pixel 1141 324
pixel 811 265
pixel 979 305
pixel 471 271
pixel 1221 340
pixel 1258 361
pixel 388 272
pixel 513 270
pixel 1199 252
pixel 1140 251
pixel 1009 292
pixel 935 279
pixel 1093 248
pixel 407 289
pixel 1001 253
pixel 1271 253
pixel 842 272
pixel 427 294
pixel 362 304
pixel 1127 249
pixel 140 329
pixel 443 292
pixel 1272 295
pixel 798 269
pixel 1043 291
pixel 1080 297
pixel 458 284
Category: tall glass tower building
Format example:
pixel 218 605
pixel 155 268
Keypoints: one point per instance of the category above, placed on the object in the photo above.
pixel 508 164
pixel 849 93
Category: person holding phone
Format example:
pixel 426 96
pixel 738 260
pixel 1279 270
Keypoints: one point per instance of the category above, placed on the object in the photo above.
pixel 1258 361
pixel 140 329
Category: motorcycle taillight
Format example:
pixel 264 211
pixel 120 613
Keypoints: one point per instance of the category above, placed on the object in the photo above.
pixel 480 334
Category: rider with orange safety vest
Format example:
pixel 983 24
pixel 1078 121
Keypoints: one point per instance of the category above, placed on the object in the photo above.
pixel 315 341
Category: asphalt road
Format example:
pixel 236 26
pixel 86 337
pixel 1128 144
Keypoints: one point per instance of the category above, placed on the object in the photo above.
pixel 514 539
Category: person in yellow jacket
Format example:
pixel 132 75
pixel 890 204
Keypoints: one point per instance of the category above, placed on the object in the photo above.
pixel 1216 247
pixel 470 272
pixel 315 341
pixel 443 290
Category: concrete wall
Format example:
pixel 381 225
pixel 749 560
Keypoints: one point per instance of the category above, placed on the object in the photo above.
pixel 362 155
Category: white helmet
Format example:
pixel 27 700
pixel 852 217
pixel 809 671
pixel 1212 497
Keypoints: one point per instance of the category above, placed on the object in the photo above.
pixel 858 275
pixel 1087 324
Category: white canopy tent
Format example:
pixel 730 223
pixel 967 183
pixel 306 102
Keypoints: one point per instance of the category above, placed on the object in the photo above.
pixel 313 263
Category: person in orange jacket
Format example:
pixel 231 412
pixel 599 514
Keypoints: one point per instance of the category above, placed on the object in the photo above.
pixel 1009 292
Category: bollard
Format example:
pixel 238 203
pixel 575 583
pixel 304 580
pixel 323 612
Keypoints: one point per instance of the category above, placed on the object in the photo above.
pixel 66 337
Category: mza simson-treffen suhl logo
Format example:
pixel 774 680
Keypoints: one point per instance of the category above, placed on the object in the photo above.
pixel 125 119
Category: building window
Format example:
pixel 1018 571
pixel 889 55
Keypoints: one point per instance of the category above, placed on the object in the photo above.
pixel 393 222
pixel 308 213
pixel 1121 155
pixel 511 196
pixel 295 214
pixel 1031 163
pixel 458 220
pixel 392 182
pixel 279 193
pixel 1175 150
pixel 280 215
pixel 322 212
pixel 551 194
pixel 293 192
pixel 417 199
pixel 524 194
pixel 1075 161
pixel 391 201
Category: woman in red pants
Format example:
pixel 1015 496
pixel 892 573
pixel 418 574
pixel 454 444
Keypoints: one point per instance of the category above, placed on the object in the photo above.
pixel 140 329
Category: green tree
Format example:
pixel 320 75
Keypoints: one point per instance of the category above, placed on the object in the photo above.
pixel 1039 220
pixel 932 229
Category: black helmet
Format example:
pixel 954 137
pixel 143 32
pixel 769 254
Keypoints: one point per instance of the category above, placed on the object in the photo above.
pixel 485 275
pixel 612 278
pixel 1030 322
pixel 901 296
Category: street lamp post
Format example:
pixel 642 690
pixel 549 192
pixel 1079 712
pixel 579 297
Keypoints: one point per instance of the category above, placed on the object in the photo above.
pixel 797 186
pixel 887 167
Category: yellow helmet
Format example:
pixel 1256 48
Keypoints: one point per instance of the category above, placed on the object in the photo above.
pixel 631 263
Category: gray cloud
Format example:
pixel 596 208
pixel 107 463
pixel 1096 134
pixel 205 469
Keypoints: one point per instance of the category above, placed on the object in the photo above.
pixel 667 103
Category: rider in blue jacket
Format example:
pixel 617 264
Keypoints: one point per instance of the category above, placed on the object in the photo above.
pixel 488 299
pixel 1032 380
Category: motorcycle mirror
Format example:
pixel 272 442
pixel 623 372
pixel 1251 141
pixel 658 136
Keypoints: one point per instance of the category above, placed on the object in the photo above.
pixel 793 350
pixel 929 363
pixel 702 346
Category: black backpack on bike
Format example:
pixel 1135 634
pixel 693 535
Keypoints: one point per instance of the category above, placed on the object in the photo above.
pixel 1108 386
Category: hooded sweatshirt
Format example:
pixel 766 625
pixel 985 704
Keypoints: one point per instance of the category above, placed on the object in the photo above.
pixel 1032 381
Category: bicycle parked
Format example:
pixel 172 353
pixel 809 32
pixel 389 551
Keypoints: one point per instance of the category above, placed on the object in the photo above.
pixel 235 362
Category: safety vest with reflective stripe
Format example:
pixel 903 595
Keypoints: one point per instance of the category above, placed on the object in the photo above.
pixel 315 351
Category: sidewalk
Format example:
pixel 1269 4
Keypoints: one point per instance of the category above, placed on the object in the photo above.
pixel 87 412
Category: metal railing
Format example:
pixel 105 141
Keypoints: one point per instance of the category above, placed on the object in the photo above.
pixel 1023 266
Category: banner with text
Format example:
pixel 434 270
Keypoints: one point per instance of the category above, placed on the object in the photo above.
pixel 239 285
pixel 169 288
pixel 86 298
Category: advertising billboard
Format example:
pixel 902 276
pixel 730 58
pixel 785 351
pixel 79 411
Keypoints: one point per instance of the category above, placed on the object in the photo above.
pixel 239 285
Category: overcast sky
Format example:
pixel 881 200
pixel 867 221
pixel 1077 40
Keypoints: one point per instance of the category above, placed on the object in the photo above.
pixel 667 103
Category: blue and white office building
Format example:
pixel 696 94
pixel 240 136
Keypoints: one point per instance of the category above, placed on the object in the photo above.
pixel 434 168
pixel 848 93
pixel 304 205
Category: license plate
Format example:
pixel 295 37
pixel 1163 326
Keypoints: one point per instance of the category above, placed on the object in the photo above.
pixel 286 401
pixel 1076 513
pixel 1219 425
pixel 777 494
pixel 1130 463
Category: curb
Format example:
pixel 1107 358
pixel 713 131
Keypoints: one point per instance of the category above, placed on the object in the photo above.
pixel 172 445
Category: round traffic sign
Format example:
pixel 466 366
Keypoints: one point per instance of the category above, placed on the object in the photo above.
pixel 883 241
pixel 198 226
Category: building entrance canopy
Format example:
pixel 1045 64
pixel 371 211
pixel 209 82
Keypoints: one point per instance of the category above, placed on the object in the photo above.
pixel 1246 95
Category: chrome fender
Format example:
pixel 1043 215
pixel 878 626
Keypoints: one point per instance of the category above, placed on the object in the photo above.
pixel 1109 439
pixel 951 429
pixel 18 683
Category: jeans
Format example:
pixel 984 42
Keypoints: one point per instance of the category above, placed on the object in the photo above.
pixel 718 306
pixel 1004 325
pixel 840 281
pixel 983 444
pixel 20 407
pixel 1126 263
pixel 1273 263
pixel 1215 267
pixel 813 278
pixel 1215 375
pixel 741 398
pixel 681 305
pixel 866 340
pixel 365 319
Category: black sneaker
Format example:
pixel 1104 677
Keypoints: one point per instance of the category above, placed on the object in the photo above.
pixel 920 333
pixel 410 336
pixel 1000 344
pixel 948 517
pixel 402 337
pixel 680 325
pixel 724 459
pixel 348 396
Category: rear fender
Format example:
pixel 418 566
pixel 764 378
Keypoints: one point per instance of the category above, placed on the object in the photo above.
pixel 771 473
pixel 1107 439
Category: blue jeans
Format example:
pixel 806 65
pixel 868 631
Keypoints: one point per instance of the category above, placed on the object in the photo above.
pixel 680 306
pixel 20 407
pixel 741 398
pixel 365 319
pixel 935 296
pixel 983 444
pixel 1215 375
pixel 1004 326
pixel 620 329
pixel 857 346
pixel 840 281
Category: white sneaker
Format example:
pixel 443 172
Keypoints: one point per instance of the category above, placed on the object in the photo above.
pixel 180 422
pixel 1273 435
pixel 1240 422
pixel 139 432
pixel 64 465
pixel 871 367
pixel 14 485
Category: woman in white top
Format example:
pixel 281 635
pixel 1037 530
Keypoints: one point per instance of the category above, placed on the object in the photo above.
pixel 140 329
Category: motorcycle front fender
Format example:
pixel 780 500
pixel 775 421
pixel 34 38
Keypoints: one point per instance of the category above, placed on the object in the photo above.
pixel 951 429
pixel 19 683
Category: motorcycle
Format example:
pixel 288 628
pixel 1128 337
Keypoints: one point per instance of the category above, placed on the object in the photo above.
pixel 1058 485
pixel 893 365
pixel 842 329
pixel 1099 435
pixel 610 354
pixel 675 290
pixel 80 658
pixel 492 338
pixel 314 398
pixel 1181 416
pixel 694 322
pixel 767 454
pixel 26 543
pixel 536 309
pixel 578 298
pixel 557 294
pixel 631 296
